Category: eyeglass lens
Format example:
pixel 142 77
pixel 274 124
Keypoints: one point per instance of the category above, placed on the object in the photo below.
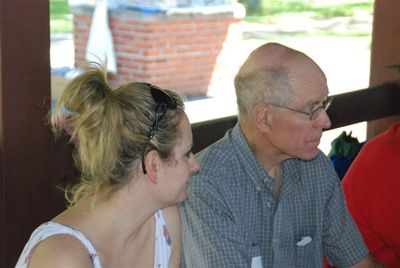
pixel 325 105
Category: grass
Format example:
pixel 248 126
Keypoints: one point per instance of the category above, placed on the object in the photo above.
pixel 343 10
pixel 338 9
pixel 60 17
pixel 272 11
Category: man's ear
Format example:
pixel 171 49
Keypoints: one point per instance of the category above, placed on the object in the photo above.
pixel 260 114
pixel 151 161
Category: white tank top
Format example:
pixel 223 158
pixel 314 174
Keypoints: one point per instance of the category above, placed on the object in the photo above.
pixel 162 252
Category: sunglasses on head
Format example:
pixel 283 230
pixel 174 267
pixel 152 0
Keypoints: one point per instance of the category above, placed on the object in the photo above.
pixel 164 102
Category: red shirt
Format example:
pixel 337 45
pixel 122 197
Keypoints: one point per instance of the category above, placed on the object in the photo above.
pixel 372 190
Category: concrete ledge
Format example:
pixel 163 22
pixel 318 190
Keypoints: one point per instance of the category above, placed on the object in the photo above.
pixel 181 13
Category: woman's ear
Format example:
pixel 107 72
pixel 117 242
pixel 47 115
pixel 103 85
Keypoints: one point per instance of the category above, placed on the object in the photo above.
pixel 151 161
pixel 261 116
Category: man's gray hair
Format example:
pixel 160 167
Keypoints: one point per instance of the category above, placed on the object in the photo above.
pixel 270 85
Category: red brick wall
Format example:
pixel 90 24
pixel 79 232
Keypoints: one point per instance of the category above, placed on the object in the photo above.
pixel 173 52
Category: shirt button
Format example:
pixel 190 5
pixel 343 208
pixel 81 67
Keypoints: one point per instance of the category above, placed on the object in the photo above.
pixel 274 240
pixel 269 204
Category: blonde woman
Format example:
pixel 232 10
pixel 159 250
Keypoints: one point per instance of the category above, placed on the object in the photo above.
pixel 133 148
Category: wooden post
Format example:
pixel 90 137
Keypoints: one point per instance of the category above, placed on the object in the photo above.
pixel 28 159
pixel 385 52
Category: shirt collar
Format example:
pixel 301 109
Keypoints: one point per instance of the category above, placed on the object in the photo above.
pixel 248 159
pixel 254 169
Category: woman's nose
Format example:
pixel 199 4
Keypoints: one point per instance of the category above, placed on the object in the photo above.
pixel 194 165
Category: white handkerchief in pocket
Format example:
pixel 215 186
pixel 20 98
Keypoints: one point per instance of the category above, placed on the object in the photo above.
pixel 256 262
pixel 305 240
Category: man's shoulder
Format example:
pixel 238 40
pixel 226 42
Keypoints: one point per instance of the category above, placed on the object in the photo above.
pixel 217 162
pixel 318 162
pixel 218 153
pixel 320 167
pixel 322 160
pixel 386 143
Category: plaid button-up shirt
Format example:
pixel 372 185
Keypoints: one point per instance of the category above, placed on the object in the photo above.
pixel 232 219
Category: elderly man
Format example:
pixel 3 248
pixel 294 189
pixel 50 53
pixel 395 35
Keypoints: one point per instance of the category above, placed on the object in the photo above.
pixel 265 195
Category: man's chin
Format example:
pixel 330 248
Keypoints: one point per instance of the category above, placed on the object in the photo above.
pixel 310 155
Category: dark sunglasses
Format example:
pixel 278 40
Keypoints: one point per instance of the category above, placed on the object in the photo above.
pixel 164 102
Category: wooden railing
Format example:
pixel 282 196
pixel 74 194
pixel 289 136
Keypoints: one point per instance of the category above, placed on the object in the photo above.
pixel 346 109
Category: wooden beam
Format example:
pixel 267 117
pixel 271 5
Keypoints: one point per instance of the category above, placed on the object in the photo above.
pixel 346 109
pixel 363 105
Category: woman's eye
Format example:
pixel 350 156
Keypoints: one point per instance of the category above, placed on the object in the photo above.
pixel 188 154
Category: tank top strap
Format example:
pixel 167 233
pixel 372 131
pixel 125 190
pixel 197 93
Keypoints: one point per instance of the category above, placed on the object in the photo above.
pixel 50 229
pixel 163 242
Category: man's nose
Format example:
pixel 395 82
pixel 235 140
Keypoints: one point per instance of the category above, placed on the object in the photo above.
pixel 324 120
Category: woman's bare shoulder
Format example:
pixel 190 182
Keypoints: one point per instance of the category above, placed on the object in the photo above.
pixel 60 251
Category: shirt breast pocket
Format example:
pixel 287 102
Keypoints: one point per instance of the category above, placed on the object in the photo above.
pixel 305 251
pixel 255 254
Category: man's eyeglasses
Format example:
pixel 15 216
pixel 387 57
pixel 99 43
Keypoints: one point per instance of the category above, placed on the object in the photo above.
pixel 164 102
pixel 314 113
